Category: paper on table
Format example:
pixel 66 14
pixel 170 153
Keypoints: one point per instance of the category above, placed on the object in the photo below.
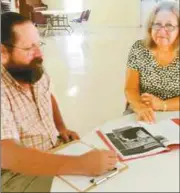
pixel 77 148
pixel 167 128
pixel 81 183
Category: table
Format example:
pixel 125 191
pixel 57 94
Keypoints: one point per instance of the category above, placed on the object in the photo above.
pixel 56 20
pixel 158 173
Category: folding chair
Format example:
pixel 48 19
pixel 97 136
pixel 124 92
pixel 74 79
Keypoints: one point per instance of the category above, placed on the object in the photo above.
pixel 87 14
pixel 80 19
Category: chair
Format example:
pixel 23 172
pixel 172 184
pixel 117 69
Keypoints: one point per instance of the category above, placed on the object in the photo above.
pixel 128 110
pixel 80 19
pixel 26 7
pixel 38 5
pixel 40 21
pixel 87 14
pixel 38 18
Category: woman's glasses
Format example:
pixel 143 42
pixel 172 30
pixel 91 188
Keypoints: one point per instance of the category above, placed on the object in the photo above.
pixel 168 27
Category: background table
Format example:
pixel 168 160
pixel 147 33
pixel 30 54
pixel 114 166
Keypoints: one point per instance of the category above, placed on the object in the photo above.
pixel 159 173
pixel 57 20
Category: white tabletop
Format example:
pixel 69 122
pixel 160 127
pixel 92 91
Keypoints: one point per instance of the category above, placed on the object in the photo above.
pixel 158 173
pixel 51 12
pixel 58 12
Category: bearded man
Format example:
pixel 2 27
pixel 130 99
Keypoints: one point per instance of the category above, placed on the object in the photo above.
pixel 30 118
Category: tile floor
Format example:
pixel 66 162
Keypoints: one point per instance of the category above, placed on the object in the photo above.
pixel 88 73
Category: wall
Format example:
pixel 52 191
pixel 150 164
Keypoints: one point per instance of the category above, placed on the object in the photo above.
pixel 124 13
pixel 54 4
pixel 13 5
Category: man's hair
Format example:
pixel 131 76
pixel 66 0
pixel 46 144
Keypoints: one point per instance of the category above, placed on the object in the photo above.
pixel 167 6
pixel 8 21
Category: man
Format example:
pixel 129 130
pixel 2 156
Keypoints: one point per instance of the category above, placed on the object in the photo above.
pixel 31 120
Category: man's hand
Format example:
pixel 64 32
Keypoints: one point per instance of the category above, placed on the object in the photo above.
pixel 152 101
pixel 65 134
pixel 97 162
pixel 68 135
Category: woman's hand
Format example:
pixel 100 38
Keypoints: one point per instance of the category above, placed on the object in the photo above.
pixel 145 113
pixel 152 101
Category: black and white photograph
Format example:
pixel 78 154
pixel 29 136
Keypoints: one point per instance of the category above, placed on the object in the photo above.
pixel 134 140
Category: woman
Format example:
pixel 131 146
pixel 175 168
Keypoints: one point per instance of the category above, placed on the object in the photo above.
pixel 152 79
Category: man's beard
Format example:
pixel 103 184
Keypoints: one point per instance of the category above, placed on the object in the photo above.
pixel 26 73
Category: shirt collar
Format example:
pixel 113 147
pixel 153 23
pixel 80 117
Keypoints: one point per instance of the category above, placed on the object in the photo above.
pixel 9 79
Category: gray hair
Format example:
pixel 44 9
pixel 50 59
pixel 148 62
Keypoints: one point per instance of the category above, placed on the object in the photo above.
pixel 169 6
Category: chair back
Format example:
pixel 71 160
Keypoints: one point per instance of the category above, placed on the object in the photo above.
pixel 82 15
pixel 87 14
pixel 34 2
pixel 26 7
pixel 38 18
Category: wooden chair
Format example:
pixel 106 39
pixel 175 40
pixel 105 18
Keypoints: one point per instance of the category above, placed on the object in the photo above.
pixel 26 7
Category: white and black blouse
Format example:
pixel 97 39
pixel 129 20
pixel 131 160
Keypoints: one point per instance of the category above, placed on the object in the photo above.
pixel 161 81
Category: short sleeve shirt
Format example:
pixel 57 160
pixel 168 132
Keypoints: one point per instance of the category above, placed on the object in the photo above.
pixel 26 117
pixel 161 81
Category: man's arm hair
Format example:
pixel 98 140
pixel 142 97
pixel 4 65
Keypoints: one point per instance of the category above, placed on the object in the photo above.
pixel 30 161
pixel 58 120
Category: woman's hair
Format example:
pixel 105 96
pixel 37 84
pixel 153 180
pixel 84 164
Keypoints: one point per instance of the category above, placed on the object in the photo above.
pixel 168 6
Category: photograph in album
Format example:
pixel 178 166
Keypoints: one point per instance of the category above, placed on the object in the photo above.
pixel 141 139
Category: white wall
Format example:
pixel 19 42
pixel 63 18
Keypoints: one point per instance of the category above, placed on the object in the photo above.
pixel 54 4
pixel 114 12
pixel 62 4
pixel 13 7
pixel 124 13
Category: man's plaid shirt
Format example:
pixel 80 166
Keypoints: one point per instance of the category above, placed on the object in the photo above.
pixel 27 116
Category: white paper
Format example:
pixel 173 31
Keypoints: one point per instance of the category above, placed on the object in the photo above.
pixel 78 148
pixel 81 182
pixel 166 128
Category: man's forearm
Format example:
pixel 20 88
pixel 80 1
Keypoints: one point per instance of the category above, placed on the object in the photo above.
pixel 57 115
pixel 33 162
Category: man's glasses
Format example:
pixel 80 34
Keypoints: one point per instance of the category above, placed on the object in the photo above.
pixel 168 27
pixel 28 50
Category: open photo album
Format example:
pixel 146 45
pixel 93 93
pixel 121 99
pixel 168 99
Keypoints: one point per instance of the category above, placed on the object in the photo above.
pixel 141 139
